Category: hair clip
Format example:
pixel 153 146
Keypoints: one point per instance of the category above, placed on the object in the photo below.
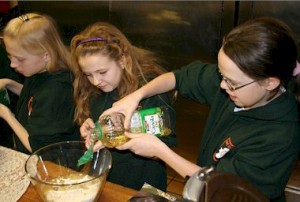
pixel 24 18
pixel 91 40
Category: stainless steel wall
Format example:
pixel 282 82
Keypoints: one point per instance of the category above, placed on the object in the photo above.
pixel 178 31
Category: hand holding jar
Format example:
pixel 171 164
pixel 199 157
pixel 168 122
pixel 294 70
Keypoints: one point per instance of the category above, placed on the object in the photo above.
pixel 110 128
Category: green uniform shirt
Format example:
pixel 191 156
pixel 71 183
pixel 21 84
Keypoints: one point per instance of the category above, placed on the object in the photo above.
pixel 128 169
pixel 6 138
pixel 260 145
pixel 46 109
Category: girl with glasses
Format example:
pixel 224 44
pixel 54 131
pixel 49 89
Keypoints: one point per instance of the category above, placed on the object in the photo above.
pixel 252 130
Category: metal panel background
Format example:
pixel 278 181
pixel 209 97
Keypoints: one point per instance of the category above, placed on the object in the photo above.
pixel 288 11
pixel 178 31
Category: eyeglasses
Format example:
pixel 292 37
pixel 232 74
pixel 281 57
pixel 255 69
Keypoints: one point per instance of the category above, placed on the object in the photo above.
pixel 231 87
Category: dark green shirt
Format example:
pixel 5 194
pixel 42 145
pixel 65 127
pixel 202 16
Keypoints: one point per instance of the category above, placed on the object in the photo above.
pixel 46 109
pixel 261 145
pixel 128 169
pixel 6 71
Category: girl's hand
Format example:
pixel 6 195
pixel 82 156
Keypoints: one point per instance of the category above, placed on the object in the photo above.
pixel 142 144
pixel 126 106
pixel 98 145
pixel 86 129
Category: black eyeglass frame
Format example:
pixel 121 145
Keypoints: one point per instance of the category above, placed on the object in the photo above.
pixel 230 87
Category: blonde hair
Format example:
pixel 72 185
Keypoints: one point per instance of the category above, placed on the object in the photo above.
pixel 38 34
pixel 140 65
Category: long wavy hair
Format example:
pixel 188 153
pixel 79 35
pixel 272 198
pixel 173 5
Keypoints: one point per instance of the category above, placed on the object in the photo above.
pixel 140 65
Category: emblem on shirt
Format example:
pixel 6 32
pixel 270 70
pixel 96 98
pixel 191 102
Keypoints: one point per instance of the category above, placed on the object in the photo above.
pixel 226 146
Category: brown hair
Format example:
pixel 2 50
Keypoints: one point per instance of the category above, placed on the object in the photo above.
pixel 263 47
pixel 140 65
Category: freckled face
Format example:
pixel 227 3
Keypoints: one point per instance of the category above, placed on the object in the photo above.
pixel 250 96
pixel 101 71
pixel 22 61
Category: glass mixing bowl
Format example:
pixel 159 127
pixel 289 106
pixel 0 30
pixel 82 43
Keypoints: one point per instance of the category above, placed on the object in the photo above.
pixel 55 175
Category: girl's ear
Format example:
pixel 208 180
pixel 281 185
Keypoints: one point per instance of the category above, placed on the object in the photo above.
pixel 122 62
pixel 272 83
pixel 46 57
